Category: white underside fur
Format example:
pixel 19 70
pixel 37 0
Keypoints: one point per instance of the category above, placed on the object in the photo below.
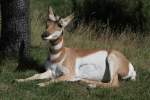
pixel 92 66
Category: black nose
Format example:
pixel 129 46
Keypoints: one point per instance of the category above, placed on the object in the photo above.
pixel 44 35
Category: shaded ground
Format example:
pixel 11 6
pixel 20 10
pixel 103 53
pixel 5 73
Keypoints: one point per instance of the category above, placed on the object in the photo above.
pixel 138 90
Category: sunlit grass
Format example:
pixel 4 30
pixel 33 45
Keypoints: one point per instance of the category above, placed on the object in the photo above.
pixel 135 48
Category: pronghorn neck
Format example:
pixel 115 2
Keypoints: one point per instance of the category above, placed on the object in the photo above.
pixel 57 50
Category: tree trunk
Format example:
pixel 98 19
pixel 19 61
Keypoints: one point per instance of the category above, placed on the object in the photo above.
pixel 15 37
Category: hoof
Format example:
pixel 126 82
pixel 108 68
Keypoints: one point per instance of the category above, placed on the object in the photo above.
pixel 92 85
pixel 19 80
pixel 41 85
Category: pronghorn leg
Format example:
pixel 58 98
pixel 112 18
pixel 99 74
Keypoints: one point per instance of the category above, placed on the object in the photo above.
pixel 45 75
pixel 93 84
pixel 115 81
pixel 43 84
pixel 60 79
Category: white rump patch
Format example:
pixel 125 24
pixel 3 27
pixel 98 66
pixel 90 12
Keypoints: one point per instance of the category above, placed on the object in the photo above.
pixel 131 73
pixel 92 66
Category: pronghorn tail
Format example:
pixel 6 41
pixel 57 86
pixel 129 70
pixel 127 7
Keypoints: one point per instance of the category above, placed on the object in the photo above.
pixel 131 73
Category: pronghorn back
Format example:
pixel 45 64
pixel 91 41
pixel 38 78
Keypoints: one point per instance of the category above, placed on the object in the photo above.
pixel 95 66
pixel 75 60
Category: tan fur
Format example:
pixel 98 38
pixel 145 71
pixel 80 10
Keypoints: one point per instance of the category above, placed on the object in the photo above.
pixel 114 83
pixel 69 63
pixel 82 53
pixel 72 54
pixel 60 57
pixel 70 60
pixel 123 63
pixel 52 27
pixel 121 67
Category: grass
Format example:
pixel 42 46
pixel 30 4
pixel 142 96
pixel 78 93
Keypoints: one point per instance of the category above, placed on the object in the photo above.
pixel 138 90
pixel 136 49
pixel 137 52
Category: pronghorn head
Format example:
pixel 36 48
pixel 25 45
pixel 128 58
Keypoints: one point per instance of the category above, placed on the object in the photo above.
pixel 55 25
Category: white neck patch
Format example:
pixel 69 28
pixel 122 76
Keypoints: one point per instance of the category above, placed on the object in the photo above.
pixel 55 56
pixel 54 35
pixel 58 46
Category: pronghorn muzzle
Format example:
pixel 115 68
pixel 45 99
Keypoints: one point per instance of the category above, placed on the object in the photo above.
pixel 45 34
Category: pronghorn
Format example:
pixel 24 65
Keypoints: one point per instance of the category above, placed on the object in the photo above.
pixel 93 67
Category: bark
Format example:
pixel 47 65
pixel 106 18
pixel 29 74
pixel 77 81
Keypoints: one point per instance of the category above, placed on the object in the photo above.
pixel 15 37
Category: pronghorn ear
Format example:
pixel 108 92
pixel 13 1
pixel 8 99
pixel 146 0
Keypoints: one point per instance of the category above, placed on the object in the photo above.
pixel 65 21
pixel 51 14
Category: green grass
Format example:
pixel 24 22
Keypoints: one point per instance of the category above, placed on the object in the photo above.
pixel 135 48
pixel 137 52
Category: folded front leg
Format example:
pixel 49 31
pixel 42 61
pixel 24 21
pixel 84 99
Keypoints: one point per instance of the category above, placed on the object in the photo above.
pixel 43 84
pixel 45 75
pixel 59 79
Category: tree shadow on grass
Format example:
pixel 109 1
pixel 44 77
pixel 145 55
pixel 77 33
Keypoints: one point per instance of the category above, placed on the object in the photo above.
pixel 28 63
pixel 25 61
